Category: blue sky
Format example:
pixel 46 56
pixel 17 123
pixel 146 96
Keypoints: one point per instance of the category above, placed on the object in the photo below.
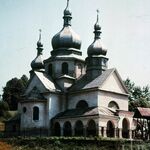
pixel 125 33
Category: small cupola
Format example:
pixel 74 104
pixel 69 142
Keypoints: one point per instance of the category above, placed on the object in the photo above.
pixel 96 62
pixel 37 63
pixel 66 38
pixel 96 47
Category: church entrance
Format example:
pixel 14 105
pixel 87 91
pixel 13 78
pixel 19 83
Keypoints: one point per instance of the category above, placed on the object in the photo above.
pixel 79 128
pixel 91 128
pixel 67 129
pixel 110 129
pixel 57 129
pixel 125 128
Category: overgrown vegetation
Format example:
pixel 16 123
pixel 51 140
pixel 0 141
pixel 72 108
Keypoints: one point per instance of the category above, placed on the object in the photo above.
pixel 75 143
pixel 13 90
pixel 138 96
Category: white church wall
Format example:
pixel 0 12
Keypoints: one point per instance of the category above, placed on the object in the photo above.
pixel 113 84
pixel 104 98
pixel 54 105
pixel 90 97
pixel 27 117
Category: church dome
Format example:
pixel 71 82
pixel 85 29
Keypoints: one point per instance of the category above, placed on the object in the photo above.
pixel 96 47
pixel 66 38
pixel 37 63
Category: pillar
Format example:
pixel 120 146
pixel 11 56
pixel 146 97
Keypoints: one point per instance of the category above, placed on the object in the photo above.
pixel 61 130
pixel 84 130
pixel 105 134
pixel 99 131
pixel 130 134
pixel 120 132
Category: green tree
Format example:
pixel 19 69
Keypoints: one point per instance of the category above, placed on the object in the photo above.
pixel 138 96
pixel 13 90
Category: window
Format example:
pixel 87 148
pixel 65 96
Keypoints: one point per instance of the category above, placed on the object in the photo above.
pixel 64 68
pixel 50 69
pixel 82 104
pixel 35 113
pixel 113 105
pixel 24 109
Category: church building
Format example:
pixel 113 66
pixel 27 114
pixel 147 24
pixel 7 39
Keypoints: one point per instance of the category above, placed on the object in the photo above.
pixel 68 95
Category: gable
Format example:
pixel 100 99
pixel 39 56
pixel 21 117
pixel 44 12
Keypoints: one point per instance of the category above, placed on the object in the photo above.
pixel 114 84
pixel 35 82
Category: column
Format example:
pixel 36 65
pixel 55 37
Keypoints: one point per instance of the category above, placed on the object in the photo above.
pixel 105 133
pixel 120 132
pixel 73 131
pixel 61 130
pixel 84 130
pixel 99 131
pixel 130 134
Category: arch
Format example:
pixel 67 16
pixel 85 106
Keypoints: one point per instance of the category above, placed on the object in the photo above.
pixel 79 128
pixel 50 69
pixel 110 129
pixel 113 105
pixel 125 128
pixel 64 68
pixel 35 113
pixel 57 129
pixel 67 129
pixel 82 104
pixel 91 128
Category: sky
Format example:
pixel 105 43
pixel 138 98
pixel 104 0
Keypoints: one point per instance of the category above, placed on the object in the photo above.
pixel 125 33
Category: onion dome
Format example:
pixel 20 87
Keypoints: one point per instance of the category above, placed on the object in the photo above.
pixel 66 38
pixel 37 63
pixel 96 47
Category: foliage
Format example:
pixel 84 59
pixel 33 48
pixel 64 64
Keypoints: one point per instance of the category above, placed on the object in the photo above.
pixel 138 96
pixel 73 143
pixel 13 90
pixel 4 110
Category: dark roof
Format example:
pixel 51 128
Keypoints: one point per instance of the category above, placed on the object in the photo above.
pixel 143 112
pixel 85 82
pixel 92 111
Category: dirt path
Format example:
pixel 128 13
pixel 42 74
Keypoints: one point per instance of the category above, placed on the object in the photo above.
pixel 5 146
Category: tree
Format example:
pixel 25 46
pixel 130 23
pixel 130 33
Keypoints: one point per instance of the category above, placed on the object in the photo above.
pixel 138 97
pixel 13 90
pixel 3 109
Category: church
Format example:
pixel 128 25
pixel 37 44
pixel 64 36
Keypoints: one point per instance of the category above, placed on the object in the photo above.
pixel 68 95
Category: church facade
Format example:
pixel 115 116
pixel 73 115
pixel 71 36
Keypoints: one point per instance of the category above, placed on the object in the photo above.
pixel 69 96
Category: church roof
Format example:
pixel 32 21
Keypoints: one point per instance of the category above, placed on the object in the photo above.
pixel 85 82
pixel 48 84
pixel 91 111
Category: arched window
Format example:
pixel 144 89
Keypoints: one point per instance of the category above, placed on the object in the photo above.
pixel 91 128
pixel 24 109
pixel 67 129
pixel 35 113
pixel 64 68
pixel 113 105
pixel 82 104
pixel 79 128
pixel 50 69
pixel 110 129
pixel 56 129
